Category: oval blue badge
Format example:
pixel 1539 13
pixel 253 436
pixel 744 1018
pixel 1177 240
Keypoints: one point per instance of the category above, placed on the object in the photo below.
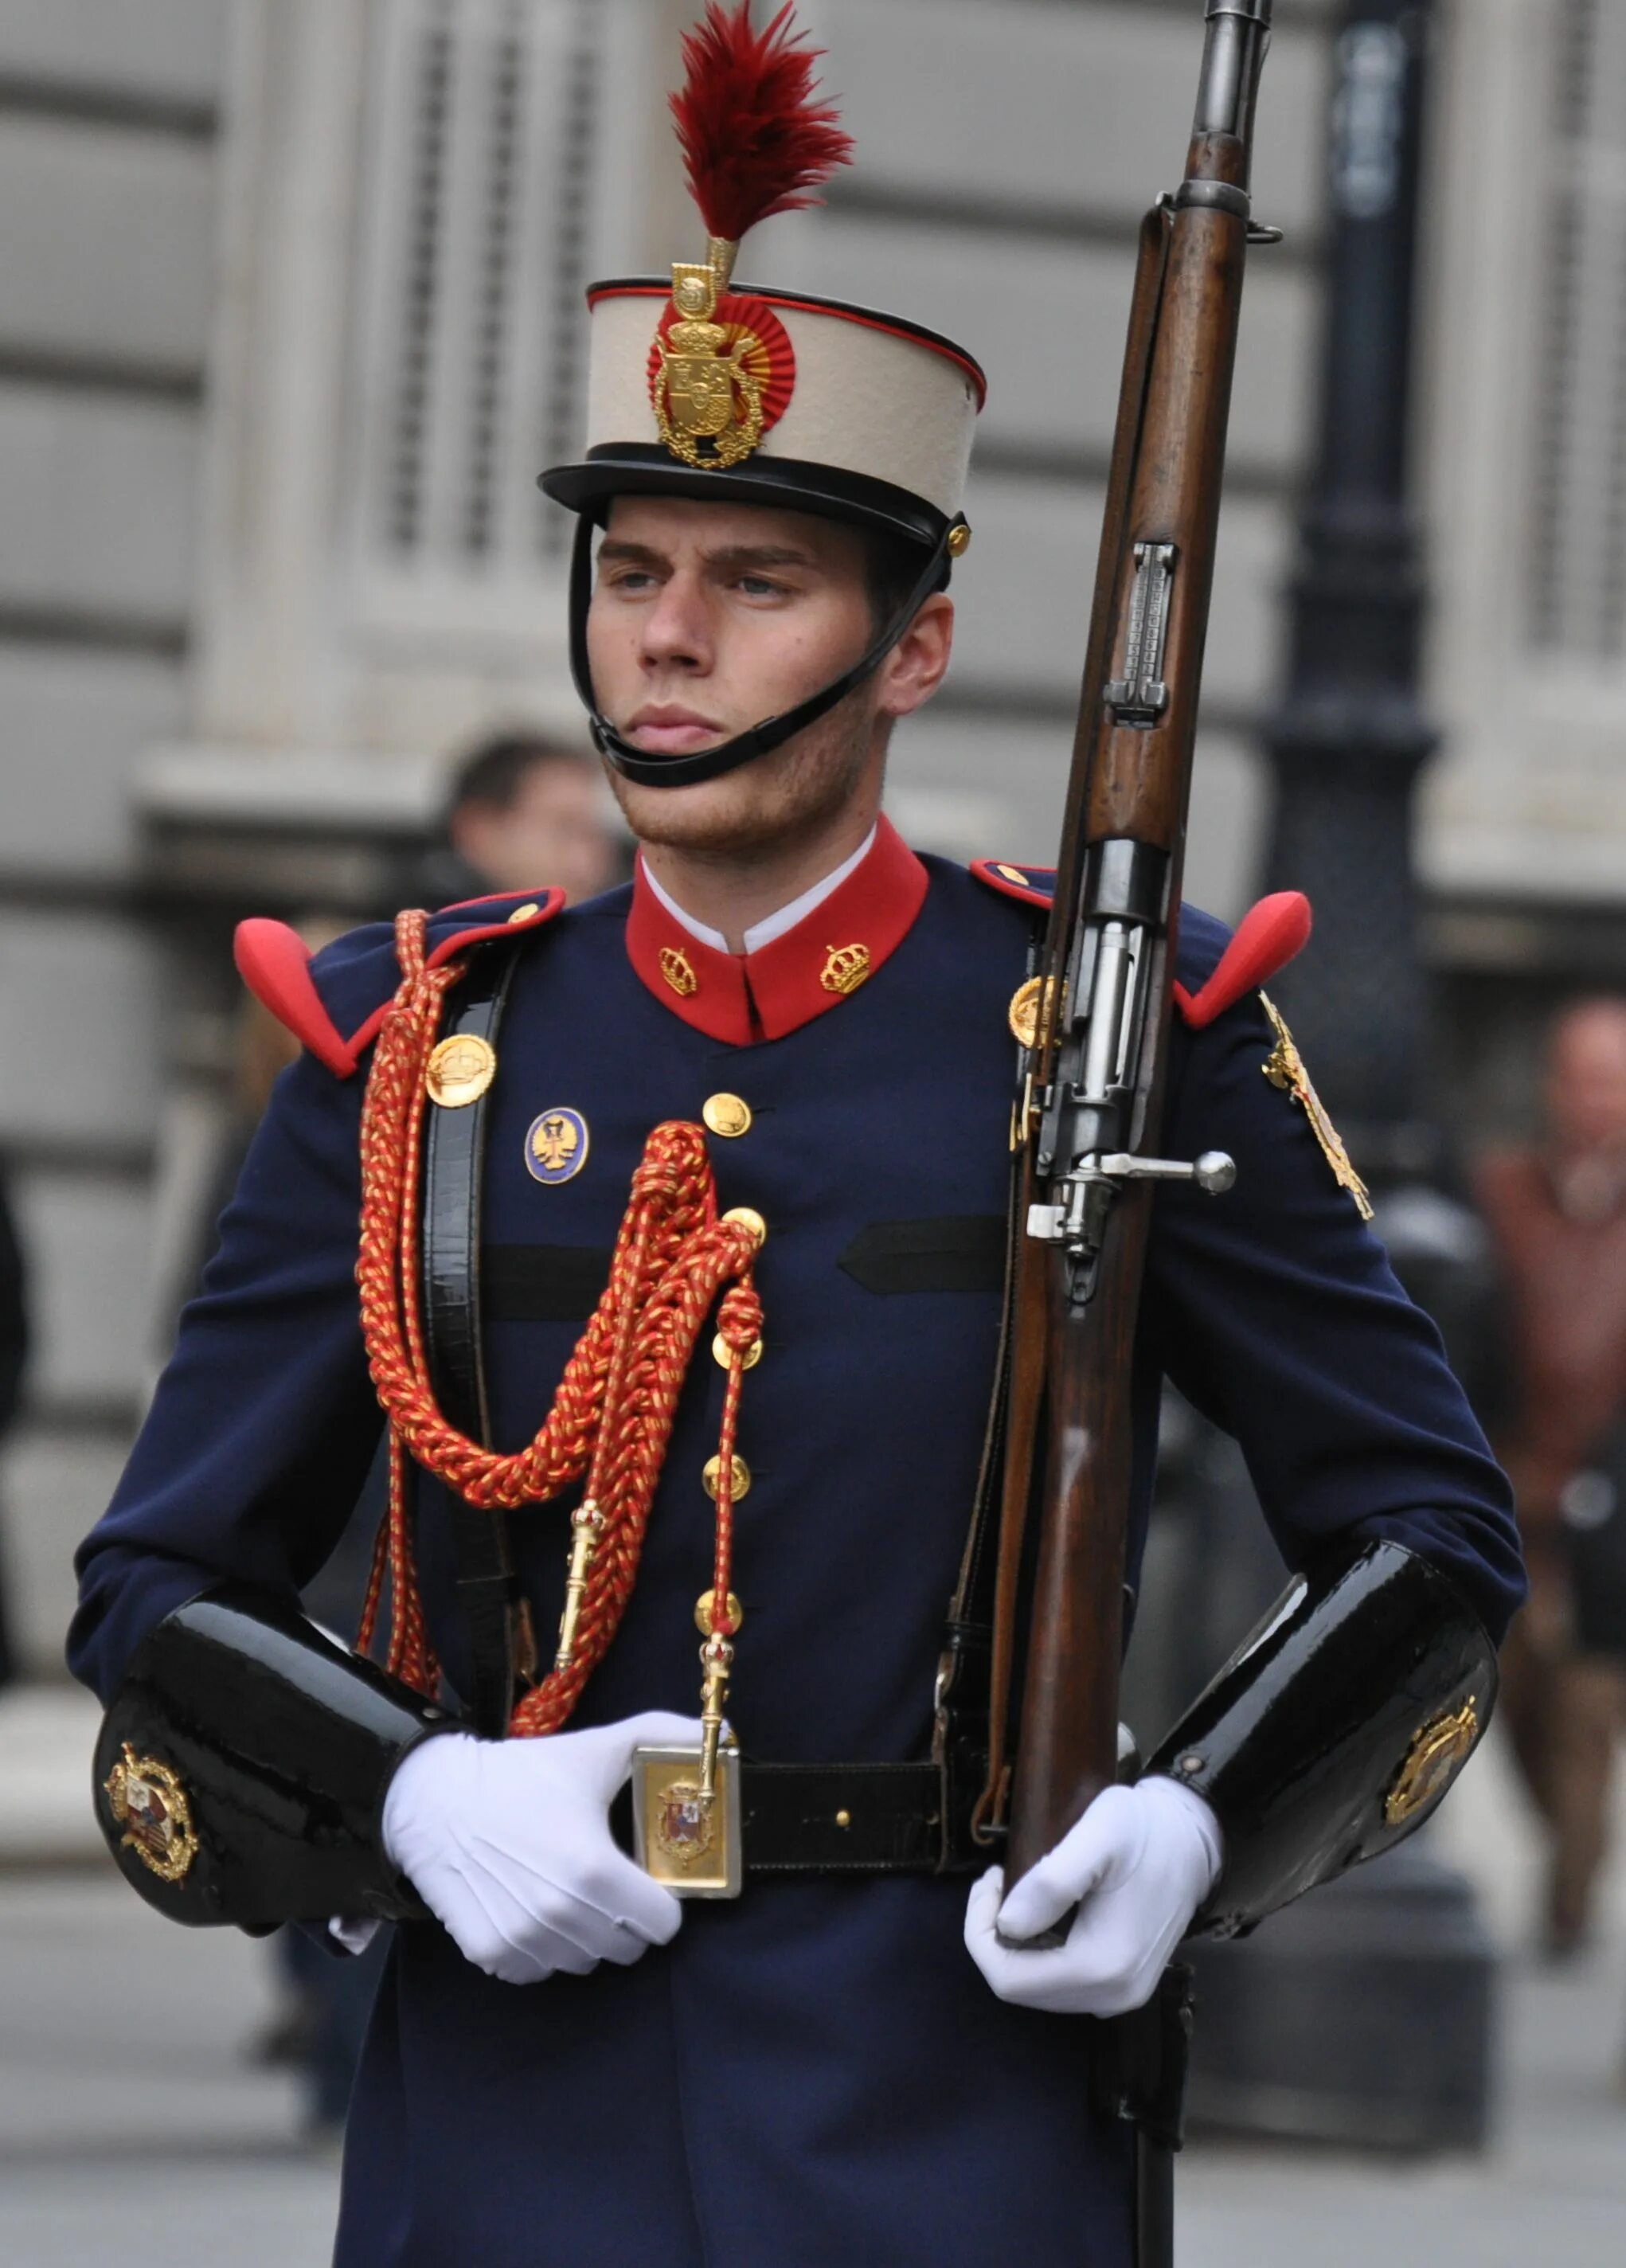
pixel 556 1145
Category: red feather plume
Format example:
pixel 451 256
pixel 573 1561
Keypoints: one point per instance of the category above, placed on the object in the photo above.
pixel 755 140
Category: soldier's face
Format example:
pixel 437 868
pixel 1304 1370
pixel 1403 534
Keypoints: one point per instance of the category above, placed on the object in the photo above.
pixel 708 618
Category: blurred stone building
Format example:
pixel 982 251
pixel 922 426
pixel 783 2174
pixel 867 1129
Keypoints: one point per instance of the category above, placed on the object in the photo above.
pixel 291 314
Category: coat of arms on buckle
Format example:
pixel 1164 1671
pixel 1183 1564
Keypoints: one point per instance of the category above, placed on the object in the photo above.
pixel 687 1842
pixel 149 1803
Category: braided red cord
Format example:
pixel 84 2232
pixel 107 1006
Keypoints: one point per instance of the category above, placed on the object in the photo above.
pixel 618 1398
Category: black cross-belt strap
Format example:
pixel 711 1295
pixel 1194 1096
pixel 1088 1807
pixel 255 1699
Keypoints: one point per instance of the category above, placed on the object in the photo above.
pixel 454 1158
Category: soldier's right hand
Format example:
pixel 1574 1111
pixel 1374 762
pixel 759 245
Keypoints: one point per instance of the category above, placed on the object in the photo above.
pixel 508 1844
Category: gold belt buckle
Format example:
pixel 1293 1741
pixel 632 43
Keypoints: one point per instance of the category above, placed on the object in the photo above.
pixel 688 1844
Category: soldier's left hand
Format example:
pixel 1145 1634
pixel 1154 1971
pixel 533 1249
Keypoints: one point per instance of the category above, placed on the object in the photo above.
pixel 1137 1866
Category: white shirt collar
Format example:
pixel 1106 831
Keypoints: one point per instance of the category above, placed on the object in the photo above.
pixel 765 932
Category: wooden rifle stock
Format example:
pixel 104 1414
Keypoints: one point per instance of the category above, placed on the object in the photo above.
pixel 1094 1103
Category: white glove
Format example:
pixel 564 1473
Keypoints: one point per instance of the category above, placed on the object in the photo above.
pixel 1137 1866
pixel 508 1844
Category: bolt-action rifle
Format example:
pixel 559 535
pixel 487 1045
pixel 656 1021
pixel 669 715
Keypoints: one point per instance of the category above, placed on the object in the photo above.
pixel 1099 1010
pixel 1098 1007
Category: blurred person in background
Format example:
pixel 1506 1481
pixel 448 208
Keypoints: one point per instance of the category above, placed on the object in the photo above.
pixel 526 813
pixel 1556 1213
pixel 13 1355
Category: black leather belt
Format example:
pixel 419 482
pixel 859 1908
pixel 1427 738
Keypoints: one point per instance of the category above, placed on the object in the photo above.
pixel 839 1819
pixel 843 1819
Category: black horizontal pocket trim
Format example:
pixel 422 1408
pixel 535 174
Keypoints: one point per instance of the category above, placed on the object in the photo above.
pixel 959 1252
pixel 542 1282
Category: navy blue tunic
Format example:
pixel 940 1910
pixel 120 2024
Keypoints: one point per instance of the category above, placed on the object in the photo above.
pixel 816 2073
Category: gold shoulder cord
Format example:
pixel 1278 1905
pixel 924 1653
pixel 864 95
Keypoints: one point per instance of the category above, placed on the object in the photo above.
pixel 1283 1067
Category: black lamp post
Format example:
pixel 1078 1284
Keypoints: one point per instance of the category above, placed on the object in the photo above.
pixel 1351 734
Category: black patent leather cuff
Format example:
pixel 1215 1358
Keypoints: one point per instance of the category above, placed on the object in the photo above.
pixel 242 1768
pixel 1335 1729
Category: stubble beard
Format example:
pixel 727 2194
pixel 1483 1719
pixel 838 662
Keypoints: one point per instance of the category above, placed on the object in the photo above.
pixel 768 803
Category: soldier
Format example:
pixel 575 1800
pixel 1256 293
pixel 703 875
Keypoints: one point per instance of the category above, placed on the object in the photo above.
pixel 789 1039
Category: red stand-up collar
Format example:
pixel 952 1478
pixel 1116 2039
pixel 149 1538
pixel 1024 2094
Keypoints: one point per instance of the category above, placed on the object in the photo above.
pixel 829 956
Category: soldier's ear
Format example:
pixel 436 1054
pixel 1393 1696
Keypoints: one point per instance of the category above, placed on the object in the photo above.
pixel 917 666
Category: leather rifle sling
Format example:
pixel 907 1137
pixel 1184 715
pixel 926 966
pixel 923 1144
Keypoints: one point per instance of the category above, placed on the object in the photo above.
pixel 487 1591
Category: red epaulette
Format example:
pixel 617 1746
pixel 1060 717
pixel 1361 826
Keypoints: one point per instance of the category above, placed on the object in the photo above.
pixel 275 963
pixel 1268 937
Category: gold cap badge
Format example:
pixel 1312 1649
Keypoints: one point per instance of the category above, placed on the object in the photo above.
pixel 715 363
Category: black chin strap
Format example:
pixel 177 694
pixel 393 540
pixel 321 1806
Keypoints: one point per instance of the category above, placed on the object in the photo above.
pixel 636 763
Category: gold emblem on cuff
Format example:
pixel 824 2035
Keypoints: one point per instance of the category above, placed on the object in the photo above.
pixel 147 1799
pixel 1432 1762
pixel 459 1070
pixel 1283 1067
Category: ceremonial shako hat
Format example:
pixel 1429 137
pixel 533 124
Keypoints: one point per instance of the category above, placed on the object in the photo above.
pixel 746 394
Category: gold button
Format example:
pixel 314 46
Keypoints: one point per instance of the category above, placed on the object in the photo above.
pixel 526 912
pixel 703 1613
pixel 460 1070
pixel 1027 1003
pixel 960 538
pixel 723 1354
pixel 742 1477
pixel 748 1218
pixel 1014 874
pixel 726 1115
pixel 843 1819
